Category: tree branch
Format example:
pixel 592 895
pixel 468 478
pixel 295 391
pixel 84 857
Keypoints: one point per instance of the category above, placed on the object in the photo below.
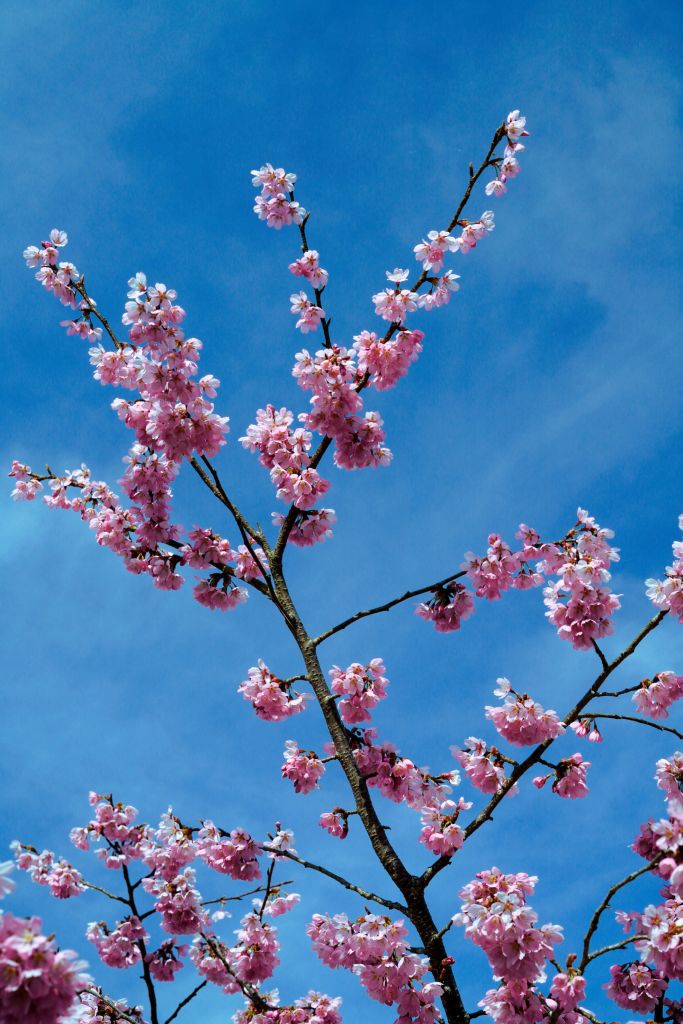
pixel 365 893
pixel 387 606
pixel 535 756
pixel 595 919
pixel 186 1000
pixel 643 721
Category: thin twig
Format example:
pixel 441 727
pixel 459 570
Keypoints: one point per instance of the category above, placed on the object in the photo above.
pixel 366 894
pixel 534 757
pixel 186 1000
pixel 595 919
pixel 642 721
pixel 387 606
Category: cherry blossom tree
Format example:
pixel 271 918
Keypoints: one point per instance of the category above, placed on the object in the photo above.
pixel 160 924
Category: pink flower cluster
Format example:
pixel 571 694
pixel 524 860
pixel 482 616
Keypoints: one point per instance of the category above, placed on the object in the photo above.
pixel 164 962
pixel 483 766
pixel 38 983
pixel 397 777
pixel 335 822
pixel 172 417
pixel 308 266
pixel 56 276
pixel 276 204
pixel 303 768
pixel 121 946
pixel 447 608
pixel 62 879
pixel 313 1008
pixel 362 687
pixel 93 1008
pixel 334 379
pixel 655 696
pixel 667 594
pixel 178 902
pixel 251 960
pixel 508 167
pixel 580 604
pixel 285 453
pixel 569 777
pixel 309 527
pixel 375 948
pixel 499 569
pixel 385 362
pixel 273 699
pixel 235 854
pixel 498 919
pixel 520 720
pixel 308 313
pixel 114 822
pixel 441 833
pixel 635 986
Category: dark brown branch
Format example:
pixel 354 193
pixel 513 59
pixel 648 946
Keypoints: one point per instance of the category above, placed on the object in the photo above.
pixel 387 606
pixel 94 311
pixel 642 721
pixel 365 893
pixel 140 943
pixel 186 1000
pixel 595 919
pixel 288 523
pixel 535 756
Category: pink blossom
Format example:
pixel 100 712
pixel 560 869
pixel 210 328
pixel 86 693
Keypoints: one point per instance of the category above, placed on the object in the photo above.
pixel 635 987
pixel 38 982
pixel 309 314
pixel 522 721
pixel 272 698
pixel 395 304
pixel 310 526
pixel 498 919
pixel 235 854
pixel 580 604
pixel 303 768
pixel 483 767
pixel 655 696
pixel 335 822
pixel 387 361
pixel 431 252
pixel 440 833
pixel 362 688
pixel 164 962
pixel 449 606
pixel 178 903
pixel 308 266
pixel 570 777
pixel 120 947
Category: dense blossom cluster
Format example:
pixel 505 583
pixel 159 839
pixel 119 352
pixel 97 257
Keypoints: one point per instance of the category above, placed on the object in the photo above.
pixel 273 699
pixel 172 417
pixel 655 696
pixel 580 604
pixel 497 918
pixel 520 720
pixel 483 765
pixel 667 594
pixel 361 688
pixel 450 604
pixel 376 949
pixel 39 983
pixel 569 777
pixel 284 453
pixel 303 768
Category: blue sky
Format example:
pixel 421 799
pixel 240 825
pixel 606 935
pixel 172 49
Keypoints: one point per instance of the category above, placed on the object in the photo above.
pixel 550 381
